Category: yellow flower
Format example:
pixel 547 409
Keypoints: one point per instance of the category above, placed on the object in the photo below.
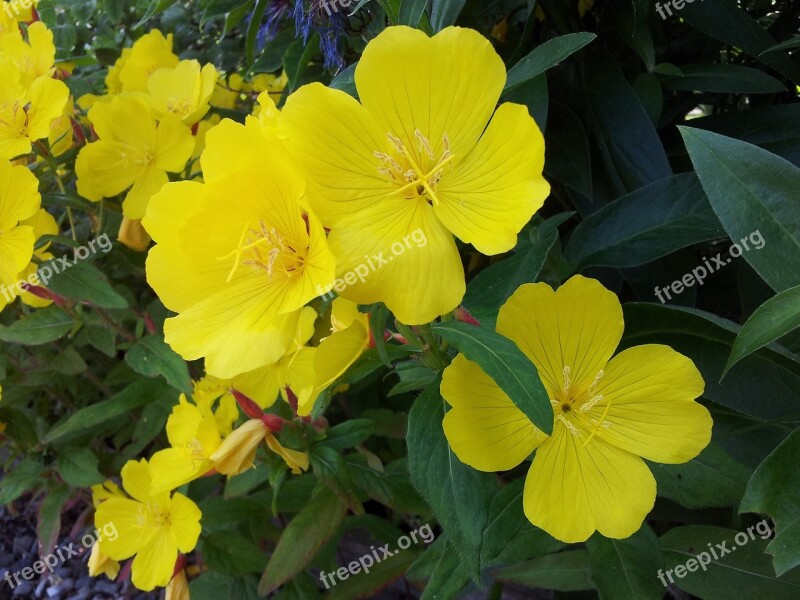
pixel 100 564
pixel 334 355
pixel 609 412
pixel 194 436
pixel 19 200
pixel 33 58
pixel 178 588
pixel 43 224
pixel 236 454
pixel 148 54
pixel 61 133
pixel 182 91
pixel 424 149
pixel 132 234
pixel 154 527
pixel 226 93
pixel 238 273
pixel 26 111
pixel 133 152
pixel 209 389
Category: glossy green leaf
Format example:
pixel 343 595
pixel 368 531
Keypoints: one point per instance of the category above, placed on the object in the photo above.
pixel 565 571
pixel 624 569
pixel 775 318
pixel 752 190
pixel 775 490
pixel 151 357
pixel 733 79
pixel 445 12
pixel 546 56
pixel 41 327
pixel 84 282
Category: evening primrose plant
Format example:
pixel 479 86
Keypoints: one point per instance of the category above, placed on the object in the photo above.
pixel 392 267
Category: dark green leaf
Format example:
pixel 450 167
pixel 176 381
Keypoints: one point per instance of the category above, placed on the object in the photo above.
pixel 329 466
pixel 41 327
pixel 445 12
pixel 564 571
pixel 459 495
pixel 48 523
pixel 348 434
pixel 411 11
pixel 752 191
pixel 152 357
pixel 78 467
pixel 624 569
pixel 774 489
pixel 546 56
pixel 83 282
pixel 775 318
pixel 230 553
pixel 723 79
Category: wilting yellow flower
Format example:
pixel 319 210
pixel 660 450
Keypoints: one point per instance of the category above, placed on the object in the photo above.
pixel 132 234
pixel 19 200
pixel 154 527
pixel 149 53
pixel 348 339
pixel 100 564
pixel 240 292
pixel 178 587
pixel 194 436
pixel 236 454
pixel 425 149
pixel 609 412
pixel 33 58
pixel 26 111
pixel 182 91
pixel 133 152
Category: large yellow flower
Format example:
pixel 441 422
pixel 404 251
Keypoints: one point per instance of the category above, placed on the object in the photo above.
pixel 133 152
pixel 26 111
pixel 238 256
pixel 19 200
pixel 425 149
pixel 609 412
pixel 154 527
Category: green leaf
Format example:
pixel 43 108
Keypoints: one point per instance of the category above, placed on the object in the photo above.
pixel 48 522
pixel 345 80
pixel 744 572
pixel 155 7
pixel 302 539
pixel 509 537
pixel 645 225
pixel 441 565
pixel 91 418
pixel 723 79
pixel 253 28
pixel 22 477
pixel 445 12
pixel 769 376
pixel 151 357
pixel 78 467
pixel 411 12
pixel 297 57
pixel 490 289
pixel 348 434
pixel 378 318
pixel 752 190
pixel 624 569
pixel 789 44
pixel 41 327
pixel 83 282
pixel 710 479
pixel 775 318
pixel 391 487
pixel 329 466
pixel 727 22
pixel 546 56
pixel 565 571
pixel 504 362
pixel 212 585
pixel 370 584
pixel 567 156
pixel 458 495
pixel 774 489
pixel 629 147
pixel 230 553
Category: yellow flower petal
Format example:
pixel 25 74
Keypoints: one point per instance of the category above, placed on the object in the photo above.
pixel 445 85
pixel 571 491
pixel 184 519
pixel 148 183
pixel 578 327
pixel 487 198
pixel 154 566
pixel 651 391
pixel 296 461
pixel 125 515
pixel 238 450
pixel 16 249
pixel 417 281
pixel 484 428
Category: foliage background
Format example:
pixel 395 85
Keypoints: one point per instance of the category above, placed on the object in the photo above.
pixel 636 202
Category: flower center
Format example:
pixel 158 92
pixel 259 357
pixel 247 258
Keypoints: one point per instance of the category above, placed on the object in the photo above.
pixel 572 404
pixel 178 106
pixel 152 516
pixel 415 174
pixel 267 249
